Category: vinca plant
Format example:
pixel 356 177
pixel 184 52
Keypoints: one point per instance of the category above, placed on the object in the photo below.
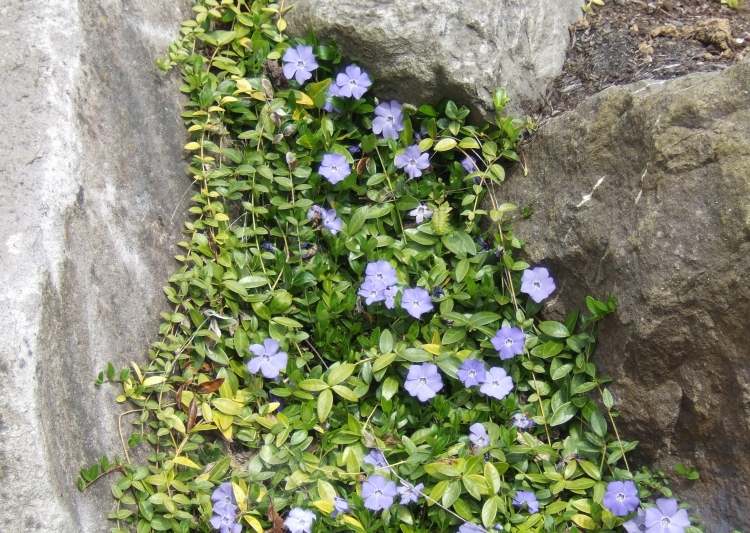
pixel 355 341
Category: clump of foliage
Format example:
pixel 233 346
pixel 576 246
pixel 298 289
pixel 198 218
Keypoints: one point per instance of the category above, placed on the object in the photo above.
pixel 350 348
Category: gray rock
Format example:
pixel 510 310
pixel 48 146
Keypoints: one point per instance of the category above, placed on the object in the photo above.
pixel 420 50
pixel 643 192
pixel 93 180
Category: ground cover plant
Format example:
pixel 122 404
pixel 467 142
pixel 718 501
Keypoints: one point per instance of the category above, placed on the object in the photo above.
pixel 356 343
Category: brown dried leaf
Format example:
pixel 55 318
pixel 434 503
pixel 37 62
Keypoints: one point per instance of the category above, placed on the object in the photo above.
pixel 207 387
pixel 192 414
pixel 277 523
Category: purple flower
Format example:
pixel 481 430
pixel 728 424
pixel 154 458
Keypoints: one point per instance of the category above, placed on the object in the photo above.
pixel 372 291
pixel 299 520
pixel 353 82
pixel 521 421
pixel 331 221
pixel 299 63
pixel 416 301
pixel 340 505
pixel 621 498
pixel 378 493
pixel 334 167
pixel 333 90
pixel 413 161
pixel 376 458
pixel 410 493
pixel 388 120
pixel 498 383
pixel 390 296
pixel 315 212
pixel 472 373
pixel 381 271
pixel 537 283
pixel 225 524
pixel 328 217
pixel 478 435
pixel 509 342
pixel 421 213
pixel 354 149
pixel 666 517
pixel 468 527
pixel 268 359
pixel 223 494
pixel 469 164
pixel 423 381
pixel 636 524
pixel 527 498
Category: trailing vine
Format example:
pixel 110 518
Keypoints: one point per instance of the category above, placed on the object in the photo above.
pixel 356 343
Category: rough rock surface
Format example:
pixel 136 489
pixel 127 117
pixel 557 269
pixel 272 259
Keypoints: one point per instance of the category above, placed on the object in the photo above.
pixel 421 50
pixel 93 176
pixel 643 192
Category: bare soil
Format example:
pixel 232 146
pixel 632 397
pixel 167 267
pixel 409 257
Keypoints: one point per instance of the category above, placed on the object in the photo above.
pixel 631 40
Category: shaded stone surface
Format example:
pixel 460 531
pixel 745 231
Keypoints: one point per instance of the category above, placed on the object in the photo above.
pixel 90 213
pixel 420 50
pixel 643 192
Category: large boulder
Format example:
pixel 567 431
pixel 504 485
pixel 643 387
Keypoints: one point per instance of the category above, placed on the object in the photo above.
pixel 91 164
pixel 420 50
pixel 643 192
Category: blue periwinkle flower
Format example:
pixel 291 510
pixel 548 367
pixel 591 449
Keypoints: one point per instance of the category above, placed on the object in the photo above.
pixel 421 213
pixel 472 372
pixel 423 381
pixel 412 161
pixel 416 301
pixel 378 493
pixel 299 520
pixel 410 493
pixel 376 458
pixel 268 360
pixel 299 63
pixel 389 120
pixel 537 283
pixel 509 342
pixel 353 82
pixel 621 497
pixel 498 383
pixel 478 435
pixel 527 499
pixel 521 421
pixel 334 168
pixel 340 506
pixel 225 509
pixel 666 517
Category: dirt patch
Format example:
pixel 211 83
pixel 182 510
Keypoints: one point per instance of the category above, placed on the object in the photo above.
pixel 630 40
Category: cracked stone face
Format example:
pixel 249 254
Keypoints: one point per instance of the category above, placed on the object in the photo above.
pixel 643 192
pixel 90 215
pixel 428 49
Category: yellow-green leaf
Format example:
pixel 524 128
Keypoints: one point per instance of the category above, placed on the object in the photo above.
pixel 584 521
pixel 325 402
pixel 443 145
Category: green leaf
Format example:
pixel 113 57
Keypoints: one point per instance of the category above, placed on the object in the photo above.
pixel 313 385
pixel 598 423
pixel 340 373
pixel 554 329
pixel 460 243
pixel 443 145
pixel 489 512
pixel 607 398
pixel 562 414
pixel 325 402
pixel 386 341
pixel 390 387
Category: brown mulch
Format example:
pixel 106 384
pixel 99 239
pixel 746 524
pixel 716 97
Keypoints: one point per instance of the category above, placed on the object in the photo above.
pixel 631 40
